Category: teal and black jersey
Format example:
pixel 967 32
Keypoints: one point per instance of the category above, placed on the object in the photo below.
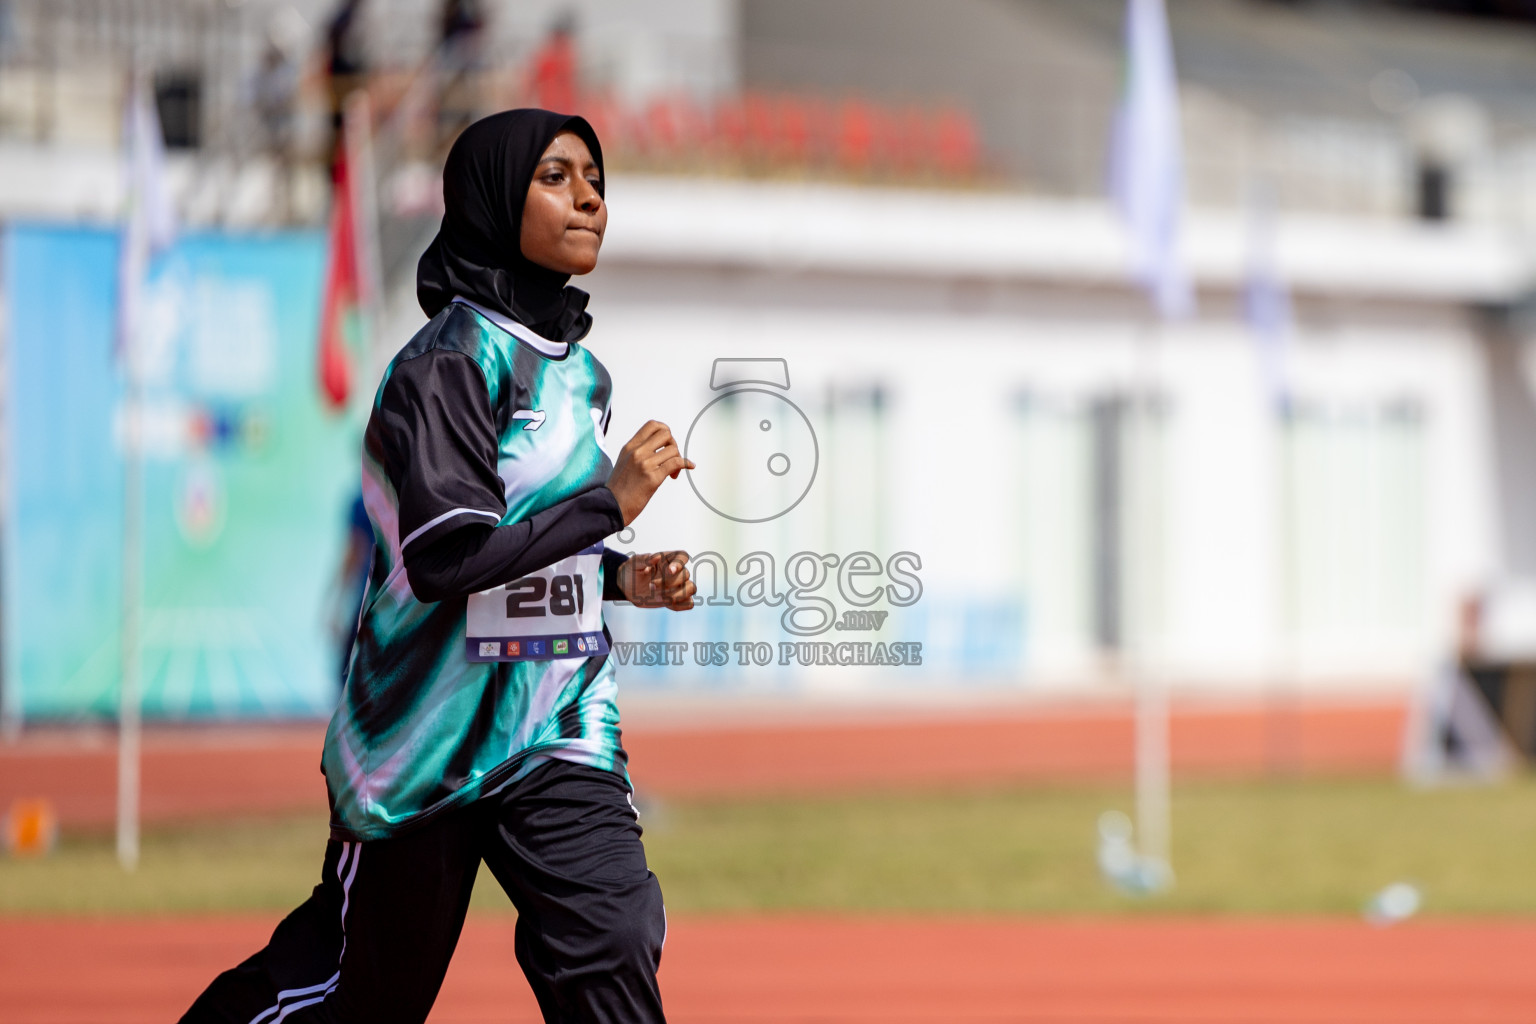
pixel 480 650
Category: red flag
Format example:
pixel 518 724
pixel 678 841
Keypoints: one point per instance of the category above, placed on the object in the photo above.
pixel 341 304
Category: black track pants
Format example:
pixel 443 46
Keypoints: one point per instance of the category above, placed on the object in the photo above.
pixel 373 941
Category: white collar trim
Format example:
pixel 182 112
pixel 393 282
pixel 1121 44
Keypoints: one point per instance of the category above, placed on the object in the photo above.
pixel 521 332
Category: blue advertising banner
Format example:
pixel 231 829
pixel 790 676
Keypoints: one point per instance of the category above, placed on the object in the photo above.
pixel 248 479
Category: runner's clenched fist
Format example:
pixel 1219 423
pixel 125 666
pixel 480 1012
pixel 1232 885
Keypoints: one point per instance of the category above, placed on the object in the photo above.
pixel 659 580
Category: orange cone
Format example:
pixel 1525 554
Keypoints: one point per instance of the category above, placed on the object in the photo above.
pixel 31 828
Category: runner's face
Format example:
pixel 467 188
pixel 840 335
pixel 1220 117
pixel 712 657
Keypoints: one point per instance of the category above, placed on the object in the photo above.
pixel 564 217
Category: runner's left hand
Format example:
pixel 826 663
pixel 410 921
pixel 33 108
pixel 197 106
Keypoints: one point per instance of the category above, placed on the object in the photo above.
pixel 659 580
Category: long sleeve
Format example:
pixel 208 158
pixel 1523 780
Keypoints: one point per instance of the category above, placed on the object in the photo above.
pixel 612 561
pixel 476 557
pixel 440 452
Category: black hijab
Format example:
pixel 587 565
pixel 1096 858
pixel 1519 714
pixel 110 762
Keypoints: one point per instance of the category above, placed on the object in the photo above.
pixel 476 252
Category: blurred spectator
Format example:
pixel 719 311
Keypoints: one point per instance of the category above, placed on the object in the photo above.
pixel 956 141
pixel 346 65
pixel 1447 133
pixel 1469 629
pixel 462 27
pixel 276 89
pixel 761 127
pixel 856 136
pixel 462 23
pixel 553 78
pixel 351 582
pixel 795 119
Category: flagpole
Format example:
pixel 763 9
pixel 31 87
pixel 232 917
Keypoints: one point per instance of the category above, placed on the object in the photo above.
pixel 1147 184
pixel 1154 818
pixel 128 704
pixel 128 711
pixel 148 229
pixel 1283 753
pixel 1153 776
pixel 1268 314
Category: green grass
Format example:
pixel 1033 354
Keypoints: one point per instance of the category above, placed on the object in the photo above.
pixel 1280 847
pixel 241 866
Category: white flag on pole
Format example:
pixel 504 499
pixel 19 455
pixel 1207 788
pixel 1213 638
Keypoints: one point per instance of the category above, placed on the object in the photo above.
pixel 1266 301
pixel 150 225
pixel 149 231
pixel 1147 179
pixel 1146 168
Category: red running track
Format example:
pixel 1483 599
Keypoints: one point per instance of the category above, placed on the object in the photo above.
pixel 224 771
pixel 826 970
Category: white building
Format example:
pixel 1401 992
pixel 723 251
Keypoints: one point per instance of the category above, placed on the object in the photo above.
pixel 1064 535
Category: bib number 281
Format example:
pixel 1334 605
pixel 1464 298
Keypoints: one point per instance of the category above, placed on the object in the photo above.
pixel 541 616
pixel 528 597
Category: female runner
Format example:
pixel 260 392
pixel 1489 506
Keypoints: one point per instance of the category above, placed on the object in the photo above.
pixel 478 721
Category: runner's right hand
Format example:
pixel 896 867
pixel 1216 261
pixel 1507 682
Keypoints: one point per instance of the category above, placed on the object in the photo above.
pixel 644 462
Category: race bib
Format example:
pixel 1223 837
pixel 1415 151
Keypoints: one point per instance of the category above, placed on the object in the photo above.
pixel 556 612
